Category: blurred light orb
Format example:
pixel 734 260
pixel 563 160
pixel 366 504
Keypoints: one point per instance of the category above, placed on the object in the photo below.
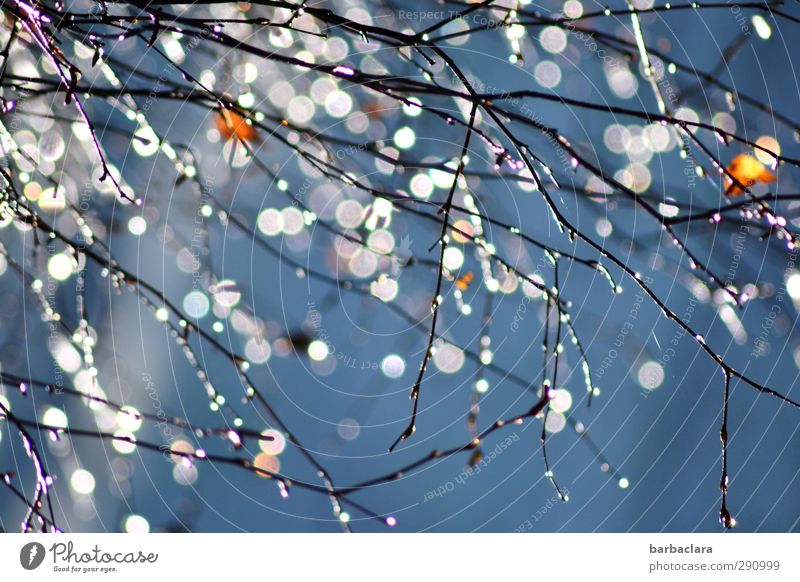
pixel 724 121
pixel 181 450
pixel 651 375
pixel 793 285
pixel 196 304
pixel 770 143
pixel 82 482
pixel 338 104
pixel 547 74
pixel 32 191
pixel 529 289
pixel 348 429
pixel 246 100
pixel 124 442
pixel 622 82
pixel 393 366
pixel 404 138
pixel 137 225
pixel 246 73
pixel 185 474
pixel 55 417
pixel 349 213
pixel 66 355
pixel 444 179
pixel 561 401
pixel 363 263
pixel 257 350
pixel 301 109
pixel 145 141
pixel 553 39
pixel 384 288
pixel 453 258
pixel 381 241
pixel 270 222
pixel 129 419
pixel 293 221
pixel 639 148
pixel 421 186
pixel 137 524
pixel 448 358
pixel 186 261
pixel 266 462
pixel 515 32
pixel 668 210
pixel 616 138
pixel 603 227
pixel 657 137
pixel 276 445
pixel 60 267
pixel 573 9
pixel 413 107
pixel 688 114
pixel 52 146
pixel 555 422
pixel 320 89
pixel 640 177
pixel 318 350
pixel 226 293
pixel 462 231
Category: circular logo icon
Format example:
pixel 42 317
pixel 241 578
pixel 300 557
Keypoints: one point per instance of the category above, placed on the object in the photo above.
pixel 31 555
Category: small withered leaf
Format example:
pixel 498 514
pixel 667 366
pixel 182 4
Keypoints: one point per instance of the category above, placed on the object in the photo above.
pixel 747 170
pixel 231 125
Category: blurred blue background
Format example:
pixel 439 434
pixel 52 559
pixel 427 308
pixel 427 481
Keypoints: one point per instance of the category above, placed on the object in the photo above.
pixel 662 442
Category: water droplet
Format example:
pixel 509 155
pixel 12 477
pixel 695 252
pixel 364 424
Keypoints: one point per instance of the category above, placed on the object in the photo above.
pixel 235 438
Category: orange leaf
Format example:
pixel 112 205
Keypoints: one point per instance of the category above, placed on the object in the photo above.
pixel 748 171
pixel 232 125
pixel 462 283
